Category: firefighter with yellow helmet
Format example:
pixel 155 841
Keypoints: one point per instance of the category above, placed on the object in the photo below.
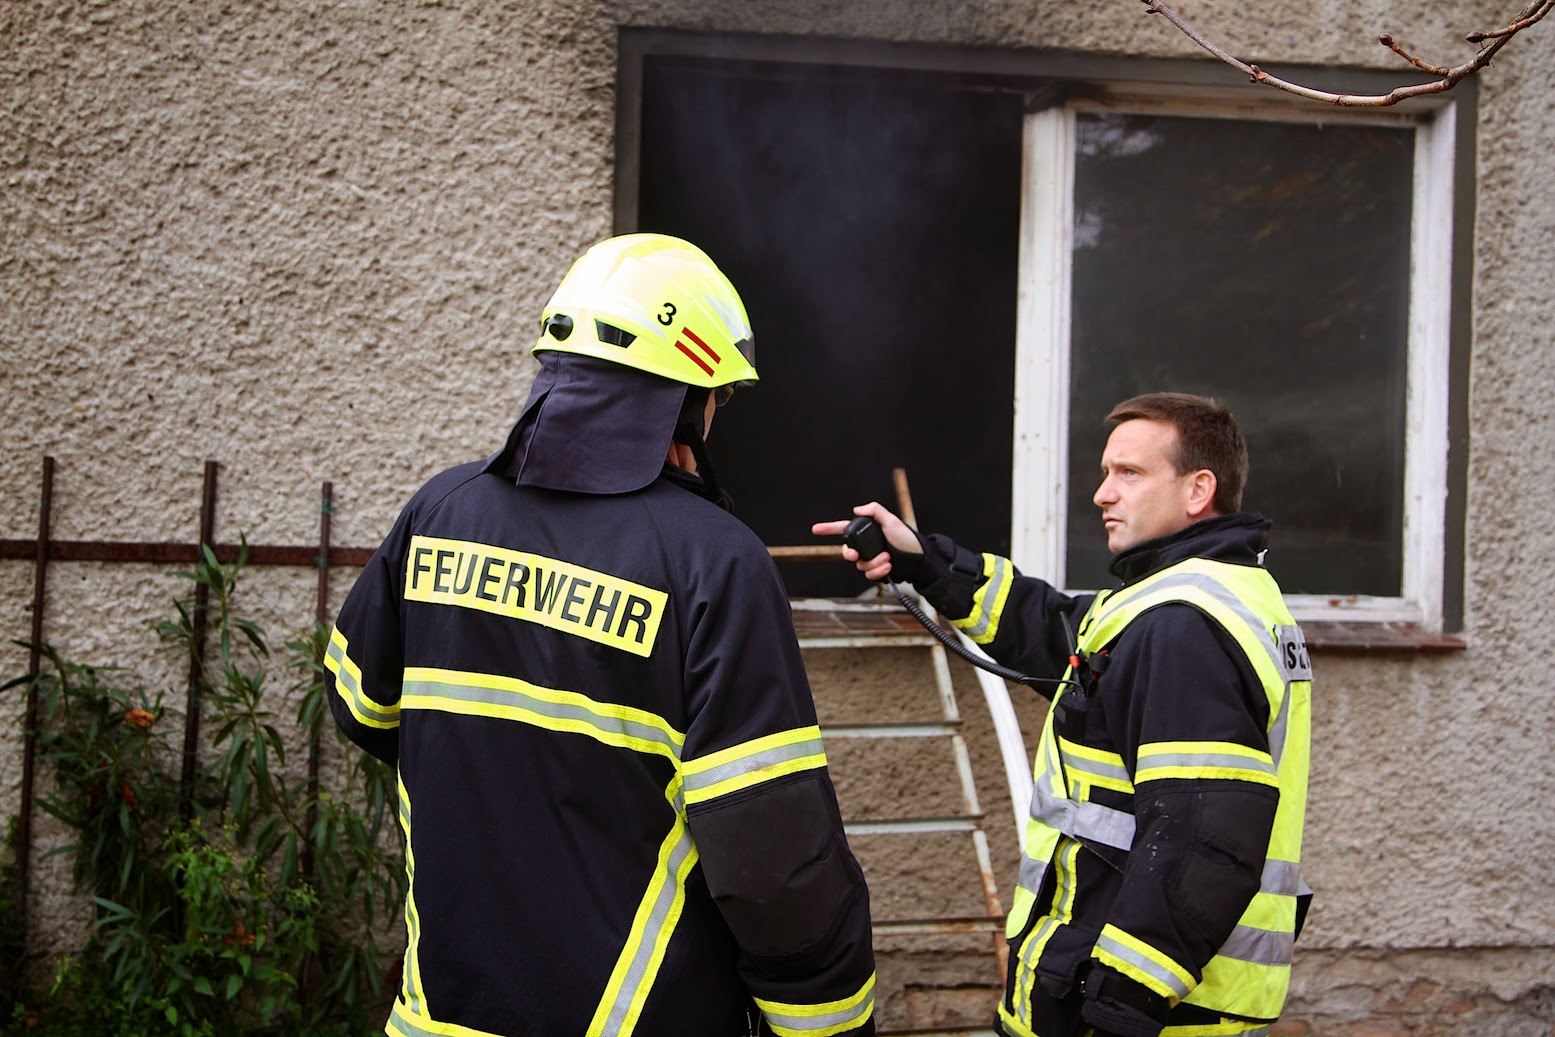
pixel 617 809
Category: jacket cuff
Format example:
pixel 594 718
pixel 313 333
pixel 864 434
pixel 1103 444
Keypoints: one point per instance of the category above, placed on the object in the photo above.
pixel 1117 1005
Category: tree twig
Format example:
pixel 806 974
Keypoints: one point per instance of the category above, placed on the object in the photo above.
pixel 1446 77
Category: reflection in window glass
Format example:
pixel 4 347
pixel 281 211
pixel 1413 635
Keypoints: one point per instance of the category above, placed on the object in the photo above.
pixel 1267 265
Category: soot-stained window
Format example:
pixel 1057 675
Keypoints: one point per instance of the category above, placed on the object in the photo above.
pixel 1275 278
pixel 871 224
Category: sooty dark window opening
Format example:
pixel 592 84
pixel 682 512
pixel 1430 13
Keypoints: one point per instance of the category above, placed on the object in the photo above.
pixel 871 225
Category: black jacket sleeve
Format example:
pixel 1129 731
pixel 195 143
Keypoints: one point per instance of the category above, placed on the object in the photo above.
pixel 365 656
pixel 1018 620
pixel 763 813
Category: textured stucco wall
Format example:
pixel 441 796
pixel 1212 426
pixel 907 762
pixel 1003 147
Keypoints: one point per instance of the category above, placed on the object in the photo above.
pixel 309 240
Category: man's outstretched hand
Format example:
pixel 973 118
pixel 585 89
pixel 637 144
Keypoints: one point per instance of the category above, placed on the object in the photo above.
pixel 901 538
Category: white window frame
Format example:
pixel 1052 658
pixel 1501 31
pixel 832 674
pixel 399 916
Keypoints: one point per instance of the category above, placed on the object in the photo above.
pixel 1041 448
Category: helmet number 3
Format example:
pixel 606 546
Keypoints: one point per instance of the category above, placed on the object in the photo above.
pixel 668 316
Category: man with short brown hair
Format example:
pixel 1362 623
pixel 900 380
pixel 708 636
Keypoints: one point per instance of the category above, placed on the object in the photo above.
pixel 1159 890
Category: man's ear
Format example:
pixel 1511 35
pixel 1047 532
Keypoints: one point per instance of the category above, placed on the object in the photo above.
pixel 1201 494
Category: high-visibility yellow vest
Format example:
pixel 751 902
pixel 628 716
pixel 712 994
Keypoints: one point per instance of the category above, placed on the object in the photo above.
pixel 1249 976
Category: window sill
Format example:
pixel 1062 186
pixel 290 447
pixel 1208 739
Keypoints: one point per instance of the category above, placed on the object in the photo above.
pixel 1374 637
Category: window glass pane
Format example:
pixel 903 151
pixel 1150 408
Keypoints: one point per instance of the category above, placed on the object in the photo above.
pixel 1267 265
pixel 871 223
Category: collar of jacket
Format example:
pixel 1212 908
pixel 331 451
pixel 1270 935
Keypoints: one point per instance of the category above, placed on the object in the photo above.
pixel 686 480
pixel 1240 539
pixel 590 427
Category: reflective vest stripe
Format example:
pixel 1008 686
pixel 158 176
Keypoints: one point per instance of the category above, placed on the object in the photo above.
pixel 1066 860
pixel 657 915
pixel 821 1020
pixel 751 763
pixel 348 685
pixel 1162 760
pixel 982 623
pixel 1281 878
pixel 1091 822
pixel 1098 766
pixel 1259 946
pixel 507 698
pixel 411 988
pixel 1138 960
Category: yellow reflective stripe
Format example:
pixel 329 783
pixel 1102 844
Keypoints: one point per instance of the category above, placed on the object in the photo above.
pixel 982 624
pixel 404 1022
pixel 1139 961
pixel 657 915
pixel 751 763
pixel 508 698
pixel 821 1020
pixel 1160 760
pixel 348 685
pixel 412 990
pixel 1094 766
pixel 1065 863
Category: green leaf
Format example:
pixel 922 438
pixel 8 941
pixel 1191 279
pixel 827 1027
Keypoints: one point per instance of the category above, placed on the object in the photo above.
pixel 234 984
pixel 203 986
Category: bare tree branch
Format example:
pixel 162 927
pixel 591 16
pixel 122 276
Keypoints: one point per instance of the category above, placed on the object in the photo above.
pixel 1447 78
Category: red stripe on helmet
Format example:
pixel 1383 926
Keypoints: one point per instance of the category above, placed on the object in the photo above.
pixel 696 359
pixel 705 347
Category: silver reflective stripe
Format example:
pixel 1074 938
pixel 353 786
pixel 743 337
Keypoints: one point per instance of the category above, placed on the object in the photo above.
pixel 1154 970
pixel 1282 878
pixel 1001 572
pixel 1084 821
pixel 1278 728
pixel 1224 761
pixel 803 1023
pixel 1114 771
pixel 662 915
pixel 367 707
pixel 1259 946
pixel 697 781
pixel 400 1019
pixel 515 698
pixel 1031 874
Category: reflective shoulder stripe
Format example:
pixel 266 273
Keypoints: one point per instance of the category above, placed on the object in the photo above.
pixel 1084 821
pixel 348 685
pixel 657 916
pixel 1098 766
pixel 1195 582
pixel 508 698
pixel 821 1020
pixel 1138 960
pixel 982 624
pixel 1161 760
pixel 751 763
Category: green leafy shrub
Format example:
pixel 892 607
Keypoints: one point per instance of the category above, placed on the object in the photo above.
pixel 246 904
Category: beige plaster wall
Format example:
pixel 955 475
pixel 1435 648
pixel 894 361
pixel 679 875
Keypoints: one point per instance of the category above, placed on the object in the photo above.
pixel 309 240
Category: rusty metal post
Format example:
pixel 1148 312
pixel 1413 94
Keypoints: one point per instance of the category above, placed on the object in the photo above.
pixel 197 650
pixel 321 614
pixel 30 724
